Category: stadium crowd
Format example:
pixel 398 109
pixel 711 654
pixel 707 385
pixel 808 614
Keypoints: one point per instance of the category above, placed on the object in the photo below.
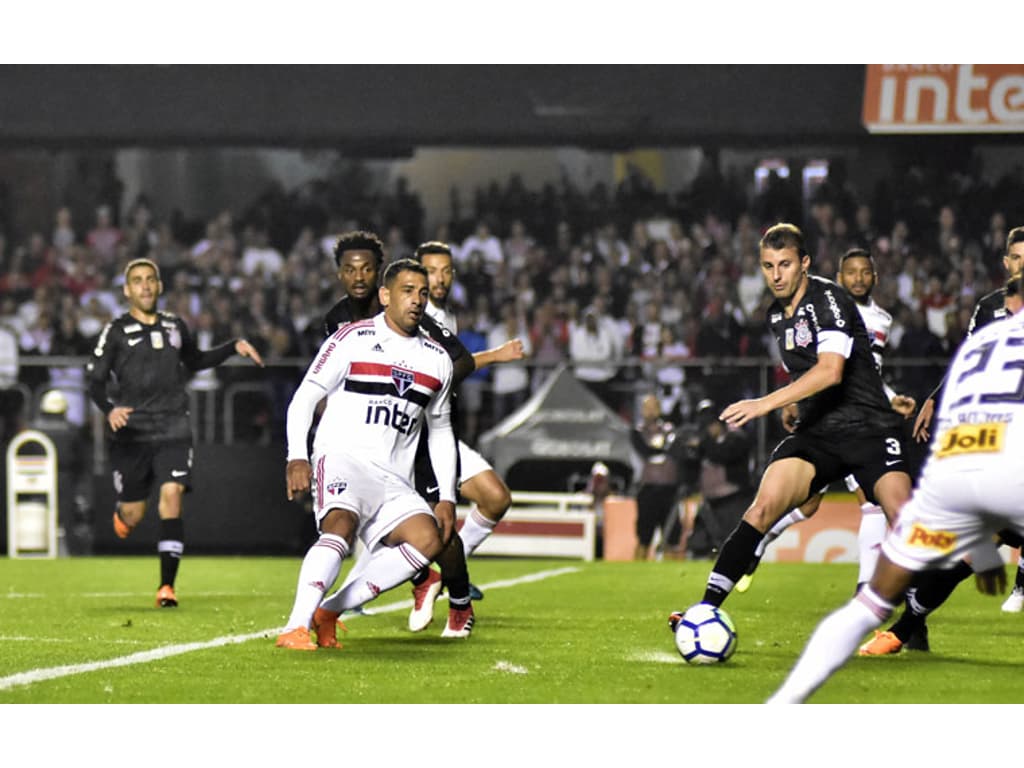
pixel 651 277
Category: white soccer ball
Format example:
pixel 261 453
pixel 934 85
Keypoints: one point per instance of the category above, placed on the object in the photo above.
pixel 705 635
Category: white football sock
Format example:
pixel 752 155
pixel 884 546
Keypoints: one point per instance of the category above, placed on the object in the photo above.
pixel 475 529
pixel 870 535
pixel 388 568
pixel 831 645
pixel 320 567
pixel 792 517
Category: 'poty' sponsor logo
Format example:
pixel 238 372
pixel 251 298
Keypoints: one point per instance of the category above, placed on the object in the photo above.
pixel 323 358
pixel 920 536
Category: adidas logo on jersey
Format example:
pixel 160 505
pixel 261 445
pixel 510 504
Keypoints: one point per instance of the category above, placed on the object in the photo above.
pixel 376 348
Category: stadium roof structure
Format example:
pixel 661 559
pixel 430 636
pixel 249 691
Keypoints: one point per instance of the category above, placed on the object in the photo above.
pixel 387 110
pixel 562 424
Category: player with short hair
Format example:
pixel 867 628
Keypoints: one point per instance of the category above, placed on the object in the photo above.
pixel 382 379
pixel 478 482
pixel 151 355
pixel 835 407
pixel 359 256
pixel 858 276
pixel 970 489
pixel 931 589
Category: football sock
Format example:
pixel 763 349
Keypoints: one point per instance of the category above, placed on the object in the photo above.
pixel 737 553
pixel 870 536
pixel 420 576
pixel 1018 580
pixel 454 572
pixel 790 518
pixel 320 567
pixel 475 528
pixel 931 589
pixel 171 546
pixel 388 568
pixel 832 643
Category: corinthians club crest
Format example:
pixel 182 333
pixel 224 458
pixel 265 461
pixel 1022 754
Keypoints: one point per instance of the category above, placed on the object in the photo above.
pixel 402 379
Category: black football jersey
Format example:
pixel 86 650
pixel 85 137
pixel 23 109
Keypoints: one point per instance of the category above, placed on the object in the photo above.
pixel 990 307
pixel 146 367
pixel 828 316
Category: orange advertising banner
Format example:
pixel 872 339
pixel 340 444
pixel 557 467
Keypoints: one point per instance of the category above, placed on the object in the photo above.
pixel 944 98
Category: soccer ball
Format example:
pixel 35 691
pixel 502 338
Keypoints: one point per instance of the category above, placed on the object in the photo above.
pixel 705 635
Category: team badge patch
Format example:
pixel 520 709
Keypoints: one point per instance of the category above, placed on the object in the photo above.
pixel 336 487
pixel 802 333
pixel 402 379
pixel 156 339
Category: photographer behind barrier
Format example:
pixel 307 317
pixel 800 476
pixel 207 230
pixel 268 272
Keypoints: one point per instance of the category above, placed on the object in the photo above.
pixel 725 482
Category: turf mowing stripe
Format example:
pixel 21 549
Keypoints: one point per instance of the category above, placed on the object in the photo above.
pixel 143 657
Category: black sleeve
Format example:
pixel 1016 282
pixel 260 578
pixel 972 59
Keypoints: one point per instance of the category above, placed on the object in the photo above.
pixel 462 358
pixel 196 359
pixel 98 369
pixel 636 439
pixel 732 448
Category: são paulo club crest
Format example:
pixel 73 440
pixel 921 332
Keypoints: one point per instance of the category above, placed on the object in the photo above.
pixel 803 335
pixel 403 379
pixel 336 486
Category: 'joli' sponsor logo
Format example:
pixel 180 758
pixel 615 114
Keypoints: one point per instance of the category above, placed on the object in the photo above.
pixel 971 438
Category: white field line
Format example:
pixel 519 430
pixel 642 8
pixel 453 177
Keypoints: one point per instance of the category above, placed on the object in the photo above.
pixel 144 657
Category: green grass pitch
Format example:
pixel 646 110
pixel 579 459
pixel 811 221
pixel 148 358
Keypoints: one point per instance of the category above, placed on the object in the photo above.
pixel 85 631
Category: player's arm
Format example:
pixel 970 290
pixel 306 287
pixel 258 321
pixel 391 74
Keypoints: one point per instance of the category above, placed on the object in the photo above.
pixel 322 376
pixel 98 370
pixel 509 352
pixel 443 453
pixel 196 359
pixel 462 360
pixel 826 372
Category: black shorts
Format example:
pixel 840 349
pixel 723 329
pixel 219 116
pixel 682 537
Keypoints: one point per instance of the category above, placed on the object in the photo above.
pixel 424 478
pixel 867 457
pixel 136 466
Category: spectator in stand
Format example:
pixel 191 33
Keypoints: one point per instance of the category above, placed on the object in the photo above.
pixel 104 237
pixel 63 230
pixel 510 383
pixel 259 257
pixel 592 346
pixel 487 244
pixel 937 303
pixel 549 338
pixel 471 390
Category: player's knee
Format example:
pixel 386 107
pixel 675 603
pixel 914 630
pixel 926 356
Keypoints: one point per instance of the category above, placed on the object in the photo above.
pixel 762 514
pixel 497 500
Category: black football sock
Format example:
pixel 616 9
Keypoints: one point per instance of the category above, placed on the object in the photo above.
pixel 736 555
pixel 170 547
pixel 420 576
pixel 932 589
pixel 1018 580
pixel 455 572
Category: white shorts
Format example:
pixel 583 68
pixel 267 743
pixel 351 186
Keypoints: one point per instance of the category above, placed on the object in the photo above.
pixel 380 499
pixel 957 507
pixel 471 463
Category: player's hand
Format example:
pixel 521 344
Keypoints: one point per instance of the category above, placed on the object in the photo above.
pixel 904 405
pixel 297 476
pixel 444 511
pixel 245 349
pixel 509 351
pixel 118 417
pixel 991 582
pixel 790 417
pixel 739 413
pixel 924 418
